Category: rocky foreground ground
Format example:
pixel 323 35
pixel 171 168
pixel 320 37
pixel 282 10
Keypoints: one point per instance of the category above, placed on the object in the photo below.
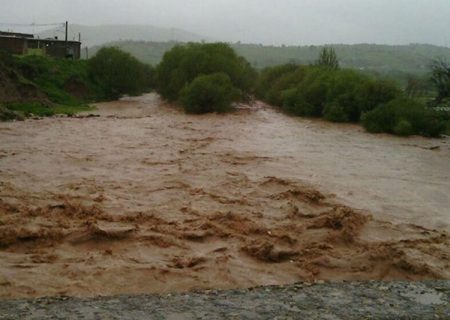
pixel 337 300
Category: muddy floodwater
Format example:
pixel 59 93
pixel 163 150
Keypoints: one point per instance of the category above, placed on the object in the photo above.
pixel 147 199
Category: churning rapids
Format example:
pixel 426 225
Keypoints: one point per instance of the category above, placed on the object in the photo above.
pixel 147 199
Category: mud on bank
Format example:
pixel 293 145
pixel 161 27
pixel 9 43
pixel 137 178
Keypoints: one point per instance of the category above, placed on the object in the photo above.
pixel 126 204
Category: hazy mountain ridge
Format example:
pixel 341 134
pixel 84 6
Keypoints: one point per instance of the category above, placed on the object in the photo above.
pixel 149 43
pixel 98 35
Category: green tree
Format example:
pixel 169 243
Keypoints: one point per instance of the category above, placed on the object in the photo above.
pixel 440 77
pixel 182 64
pixel 118 73
pixel 404 116
pixel 209 93
pixel 328 58
pixel 269 76
pixel 414 87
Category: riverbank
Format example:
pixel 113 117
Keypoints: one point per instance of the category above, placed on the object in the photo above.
pixel 341 300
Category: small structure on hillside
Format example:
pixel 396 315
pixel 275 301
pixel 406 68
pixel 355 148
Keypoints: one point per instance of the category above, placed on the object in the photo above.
pixel 23 44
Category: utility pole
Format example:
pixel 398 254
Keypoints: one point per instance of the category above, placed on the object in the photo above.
pixel 87 53
pixel 67 33
pixel 67 30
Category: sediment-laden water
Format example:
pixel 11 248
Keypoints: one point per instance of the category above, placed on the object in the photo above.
pixel 146 199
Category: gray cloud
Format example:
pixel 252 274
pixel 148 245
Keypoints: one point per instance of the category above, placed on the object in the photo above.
pixel 258 21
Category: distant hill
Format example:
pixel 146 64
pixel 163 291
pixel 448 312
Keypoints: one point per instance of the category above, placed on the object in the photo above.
pixel 98 35
pixel 149 43
pixel 396 62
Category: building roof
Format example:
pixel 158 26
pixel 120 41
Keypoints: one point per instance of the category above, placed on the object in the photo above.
pixel 53 40
pixel 38 39
pixel 16 34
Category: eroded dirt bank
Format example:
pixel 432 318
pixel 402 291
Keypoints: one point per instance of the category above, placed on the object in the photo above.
pixel 169 202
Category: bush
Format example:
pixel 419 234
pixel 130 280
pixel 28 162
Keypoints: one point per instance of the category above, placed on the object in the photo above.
pixel 381 119
pixel 339 95
pixel 310 95
pixel 307 90
pixel 270 76
pixel 357 93
pixel 285 82
pixel 440 77
pixel 6 114
pixel 181 65
pixel 296 105
pixel 6 58
pixel 334 112
pixel 377 92
pixel 404 116
pixel 342 95
pixel 120 73
pixel 209 93
pixel 403 128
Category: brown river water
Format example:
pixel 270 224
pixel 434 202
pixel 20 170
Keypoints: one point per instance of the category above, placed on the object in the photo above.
pixel 147 199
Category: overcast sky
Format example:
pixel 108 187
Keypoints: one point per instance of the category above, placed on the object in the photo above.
pixel 256 21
